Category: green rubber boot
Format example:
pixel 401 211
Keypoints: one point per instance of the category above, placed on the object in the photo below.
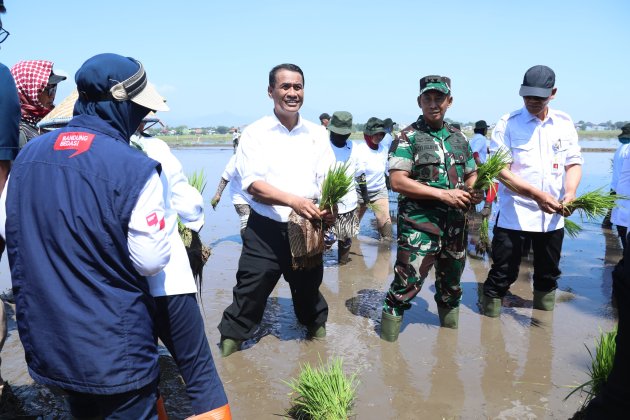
pixel 544 301
pixel 390 326
pixel 491 306
pixel 229 346
pixel 449 317
pixel 317 331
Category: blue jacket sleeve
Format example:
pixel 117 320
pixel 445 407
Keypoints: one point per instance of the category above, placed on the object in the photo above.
pixel 9 115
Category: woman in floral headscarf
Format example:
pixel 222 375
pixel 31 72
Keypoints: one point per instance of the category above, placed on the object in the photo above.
pixel 36 84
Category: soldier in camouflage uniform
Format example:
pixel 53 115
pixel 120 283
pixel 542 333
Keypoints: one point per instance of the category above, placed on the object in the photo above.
pixel 432 168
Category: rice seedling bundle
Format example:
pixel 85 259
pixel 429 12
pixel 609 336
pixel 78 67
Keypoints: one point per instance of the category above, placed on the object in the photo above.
pixel 571 228
pixel 483 245
pixel 594 204
pixel 324 393
pixel 601 365
pixel 487 172
pixel 337 183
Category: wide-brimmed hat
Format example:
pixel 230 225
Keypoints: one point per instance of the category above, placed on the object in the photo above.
pixel 62 114
pixel 341 123
pixel 481 124
pixel 435 82
pixel 106 77
pixel 374 125
pixel 625 132
pixel 389 123
pixel 538 81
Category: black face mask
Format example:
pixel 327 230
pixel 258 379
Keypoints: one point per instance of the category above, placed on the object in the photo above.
pixel 339 140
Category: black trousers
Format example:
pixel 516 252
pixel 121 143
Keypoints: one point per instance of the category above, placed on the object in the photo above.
pixel 614 401
pixel 265 257
pixel 507 249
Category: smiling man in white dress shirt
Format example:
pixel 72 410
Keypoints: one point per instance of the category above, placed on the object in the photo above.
pixel 282 160
pixel 545 171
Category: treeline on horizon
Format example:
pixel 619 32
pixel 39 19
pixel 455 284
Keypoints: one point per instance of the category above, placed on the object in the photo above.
pixel 183 130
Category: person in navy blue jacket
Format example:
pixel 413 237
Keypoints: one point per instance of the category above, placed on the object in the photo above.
pixel 84 226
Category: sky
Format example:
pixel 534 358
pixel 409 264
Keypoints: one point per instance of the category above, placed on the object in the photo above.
pixel 211 59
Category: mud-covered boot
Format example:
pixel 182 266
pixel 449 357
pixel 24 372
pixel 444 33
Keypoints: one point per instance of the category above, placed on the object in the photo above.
pixel 390 326
pixel 229 346
pixel 343 251
pixel 491 307
pixel 544 301
pixel 386 232
pixel 449 317
pixel 221 413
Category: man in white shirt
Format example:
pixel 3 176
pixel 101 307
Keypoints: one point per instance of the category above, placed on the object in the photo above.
pixel 282 160
pixel 479 146
pixel 544 173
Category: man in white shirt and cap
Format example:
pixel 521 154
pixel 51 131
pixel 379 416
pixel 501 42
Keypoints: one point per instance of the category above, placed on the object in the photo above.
pixel 544 173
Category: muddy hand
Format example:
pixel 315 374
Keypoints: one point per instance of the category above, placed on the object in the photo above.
pixel 457 198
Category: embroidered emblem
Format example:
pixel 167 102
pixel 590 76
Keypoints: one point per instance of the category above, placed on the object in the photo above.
pixel 78 141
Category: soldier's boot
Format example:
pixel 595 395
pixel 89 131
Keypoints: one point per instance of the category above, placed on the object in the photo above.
pixel 544 301
pixel 221 413
pixel 491 307
pixel 449 317
pixel 343 251
pixel 229 346
pixel 390 326
pixel 386 232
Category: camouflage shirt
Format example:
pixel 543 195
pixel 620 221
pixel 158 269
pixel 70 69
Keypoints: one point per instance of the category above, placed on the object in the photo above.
pixel 439 159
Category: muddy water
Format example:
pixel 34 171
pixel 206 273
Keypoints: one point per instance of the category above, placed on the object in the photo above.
pixel 519 366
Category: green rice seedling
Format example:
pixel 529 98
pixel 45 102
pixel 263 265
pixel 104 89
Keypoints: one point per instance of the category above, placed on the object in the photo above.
pixel 198 181
pixel 323 393
pixel 337 183
pixel 594 204
pixel 487 172
pixel 483 245
pixel 601 365
pixel 571 228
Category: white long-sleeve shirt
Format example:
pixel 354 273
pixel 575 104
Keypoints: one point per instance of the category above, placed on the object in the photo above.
pixel 231 175
pixel 180 199
pixel 540 151
pixel 293 161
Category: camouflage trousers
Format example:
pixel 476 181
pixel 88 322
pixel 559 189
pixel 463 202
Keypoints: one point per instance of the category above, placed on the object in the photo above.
pixel 417 253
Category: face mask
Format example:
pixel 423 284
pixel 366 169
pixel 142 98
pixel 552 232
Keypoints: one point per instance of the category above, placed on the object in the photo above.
pixel 624 140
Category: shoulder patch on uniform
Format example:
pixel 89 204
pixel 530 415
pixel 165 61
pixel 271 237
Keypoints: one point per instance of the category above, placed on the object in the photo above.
pixel 74 140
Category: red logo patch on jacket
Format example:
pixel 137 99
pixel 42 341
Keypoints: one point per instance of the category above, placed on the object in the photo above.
pixel 152 220
pixel 78 141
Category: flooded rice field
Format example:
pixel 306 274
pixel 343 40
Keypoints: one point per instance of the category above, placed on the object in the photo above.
pixel 521 365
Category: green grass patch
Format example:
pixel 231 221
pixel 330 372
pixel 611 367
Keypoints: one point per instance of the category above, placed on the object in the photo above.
pixel 323 393
pixel 601 365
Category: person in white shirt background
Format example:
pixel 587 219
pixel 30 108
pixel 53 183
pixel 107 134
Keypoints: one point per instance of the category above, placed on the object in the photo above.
pixel 372 157
pixel 620 184
pixel 545 171
pixel 347 222
pixel 240 198
pixel 179 322
pixel 282 161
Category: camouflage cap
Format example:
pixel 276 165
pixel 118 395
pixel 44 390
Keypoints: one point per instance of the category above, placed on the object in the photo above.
pixel 374 125
pixel 435 82
pixel 625 132
pixel 341 123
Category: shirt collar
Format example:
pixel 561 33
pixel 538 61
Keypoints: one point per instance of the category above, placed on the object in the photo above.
pixel 278 124
pixel 531 117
